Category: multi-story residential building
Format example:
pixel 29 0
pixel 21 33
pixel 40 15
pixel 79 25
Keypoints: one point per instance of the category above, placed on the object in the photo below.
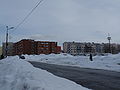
pixel 76 48
pixel 89 48
pixel 44 47
pixel 25 46
pixel 114 48
pixel 99 48
pixel 10 49
pixel 28 46
pixel 73 48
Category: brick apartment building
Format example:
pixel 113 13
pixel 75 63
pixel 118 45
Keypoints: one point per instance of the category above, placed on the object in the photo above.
pixel 59 49
pixel 25 46
pixel 46 47
pixel 28 46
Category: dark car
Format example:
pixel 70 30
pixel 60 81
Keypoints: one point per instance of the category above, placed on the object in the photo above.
pixel 21 57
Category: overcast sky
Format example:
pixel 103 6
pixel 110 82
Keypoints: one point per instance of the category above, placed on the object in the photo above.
pixel 62 20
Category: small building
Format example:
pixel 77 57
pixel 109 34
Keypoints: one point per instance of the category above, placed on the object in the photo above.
pixel 59 49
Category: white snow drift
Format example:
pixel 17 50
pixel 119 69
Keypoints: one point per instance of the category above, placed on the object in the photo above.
pixel 18 74
pixel 110 62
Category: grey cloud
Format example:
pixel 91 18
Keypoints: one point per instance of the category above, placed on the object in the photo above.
pixel 63 20
pixel 42 37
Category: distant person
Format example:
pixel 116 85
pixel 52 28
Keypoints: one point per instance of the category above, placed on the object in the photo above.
pixel 91 58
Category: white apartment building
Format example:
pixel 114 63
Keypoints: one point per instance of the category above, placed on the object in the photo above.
pixel 76 48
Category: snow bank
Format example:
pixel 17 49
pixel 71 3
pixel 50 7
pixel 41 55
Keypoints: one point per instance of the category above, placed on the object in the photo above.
pixel 110 62
pixel 18 74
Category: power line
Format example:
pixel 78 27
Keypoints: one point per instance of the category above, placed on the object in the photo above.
pixel 29 14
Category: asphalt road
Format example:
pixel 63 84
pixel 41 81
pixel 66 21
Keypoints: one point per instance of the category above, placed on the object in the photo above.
pixel 90 78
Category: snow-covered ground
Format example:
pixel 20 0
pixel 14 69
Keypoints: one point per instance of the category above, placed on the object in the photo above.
pixel 110 62
pixel 16 74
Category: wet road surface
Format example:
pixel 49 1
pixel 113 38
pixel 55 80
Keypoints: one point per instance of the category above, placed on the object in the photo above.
pixel 90 78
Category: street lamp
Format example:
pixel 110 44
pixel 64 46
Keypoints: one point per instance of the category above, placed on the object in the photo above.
pixel 6 50
pixel 109 39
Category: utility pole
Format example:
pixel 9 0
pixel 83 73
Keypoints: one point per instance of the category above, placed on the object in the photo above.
pixel 6 49
pixel 109 39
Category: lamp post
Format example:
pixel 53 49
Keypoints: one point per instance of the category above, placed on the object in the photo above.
pixel 109 39
pixel 6 49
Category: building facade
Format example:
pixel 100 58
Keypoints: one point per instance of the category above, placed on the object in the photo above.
pixel 46 47
pixel 73 48
pixel 28 46
pixel 59 49
pixel 25 46
pixel 76 48
pixel 114 48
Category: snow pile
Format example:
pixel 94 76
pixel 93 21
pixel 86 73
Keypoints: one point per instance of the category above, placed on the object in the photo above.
pixel 18 74
pixel 110 62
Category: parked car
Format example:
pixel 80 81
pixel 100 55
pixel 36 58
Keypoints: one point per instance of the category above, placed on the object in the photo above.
pixel 21 57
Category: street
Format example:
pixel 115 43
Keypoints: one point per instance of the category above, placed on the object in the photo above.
pixel 90 78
